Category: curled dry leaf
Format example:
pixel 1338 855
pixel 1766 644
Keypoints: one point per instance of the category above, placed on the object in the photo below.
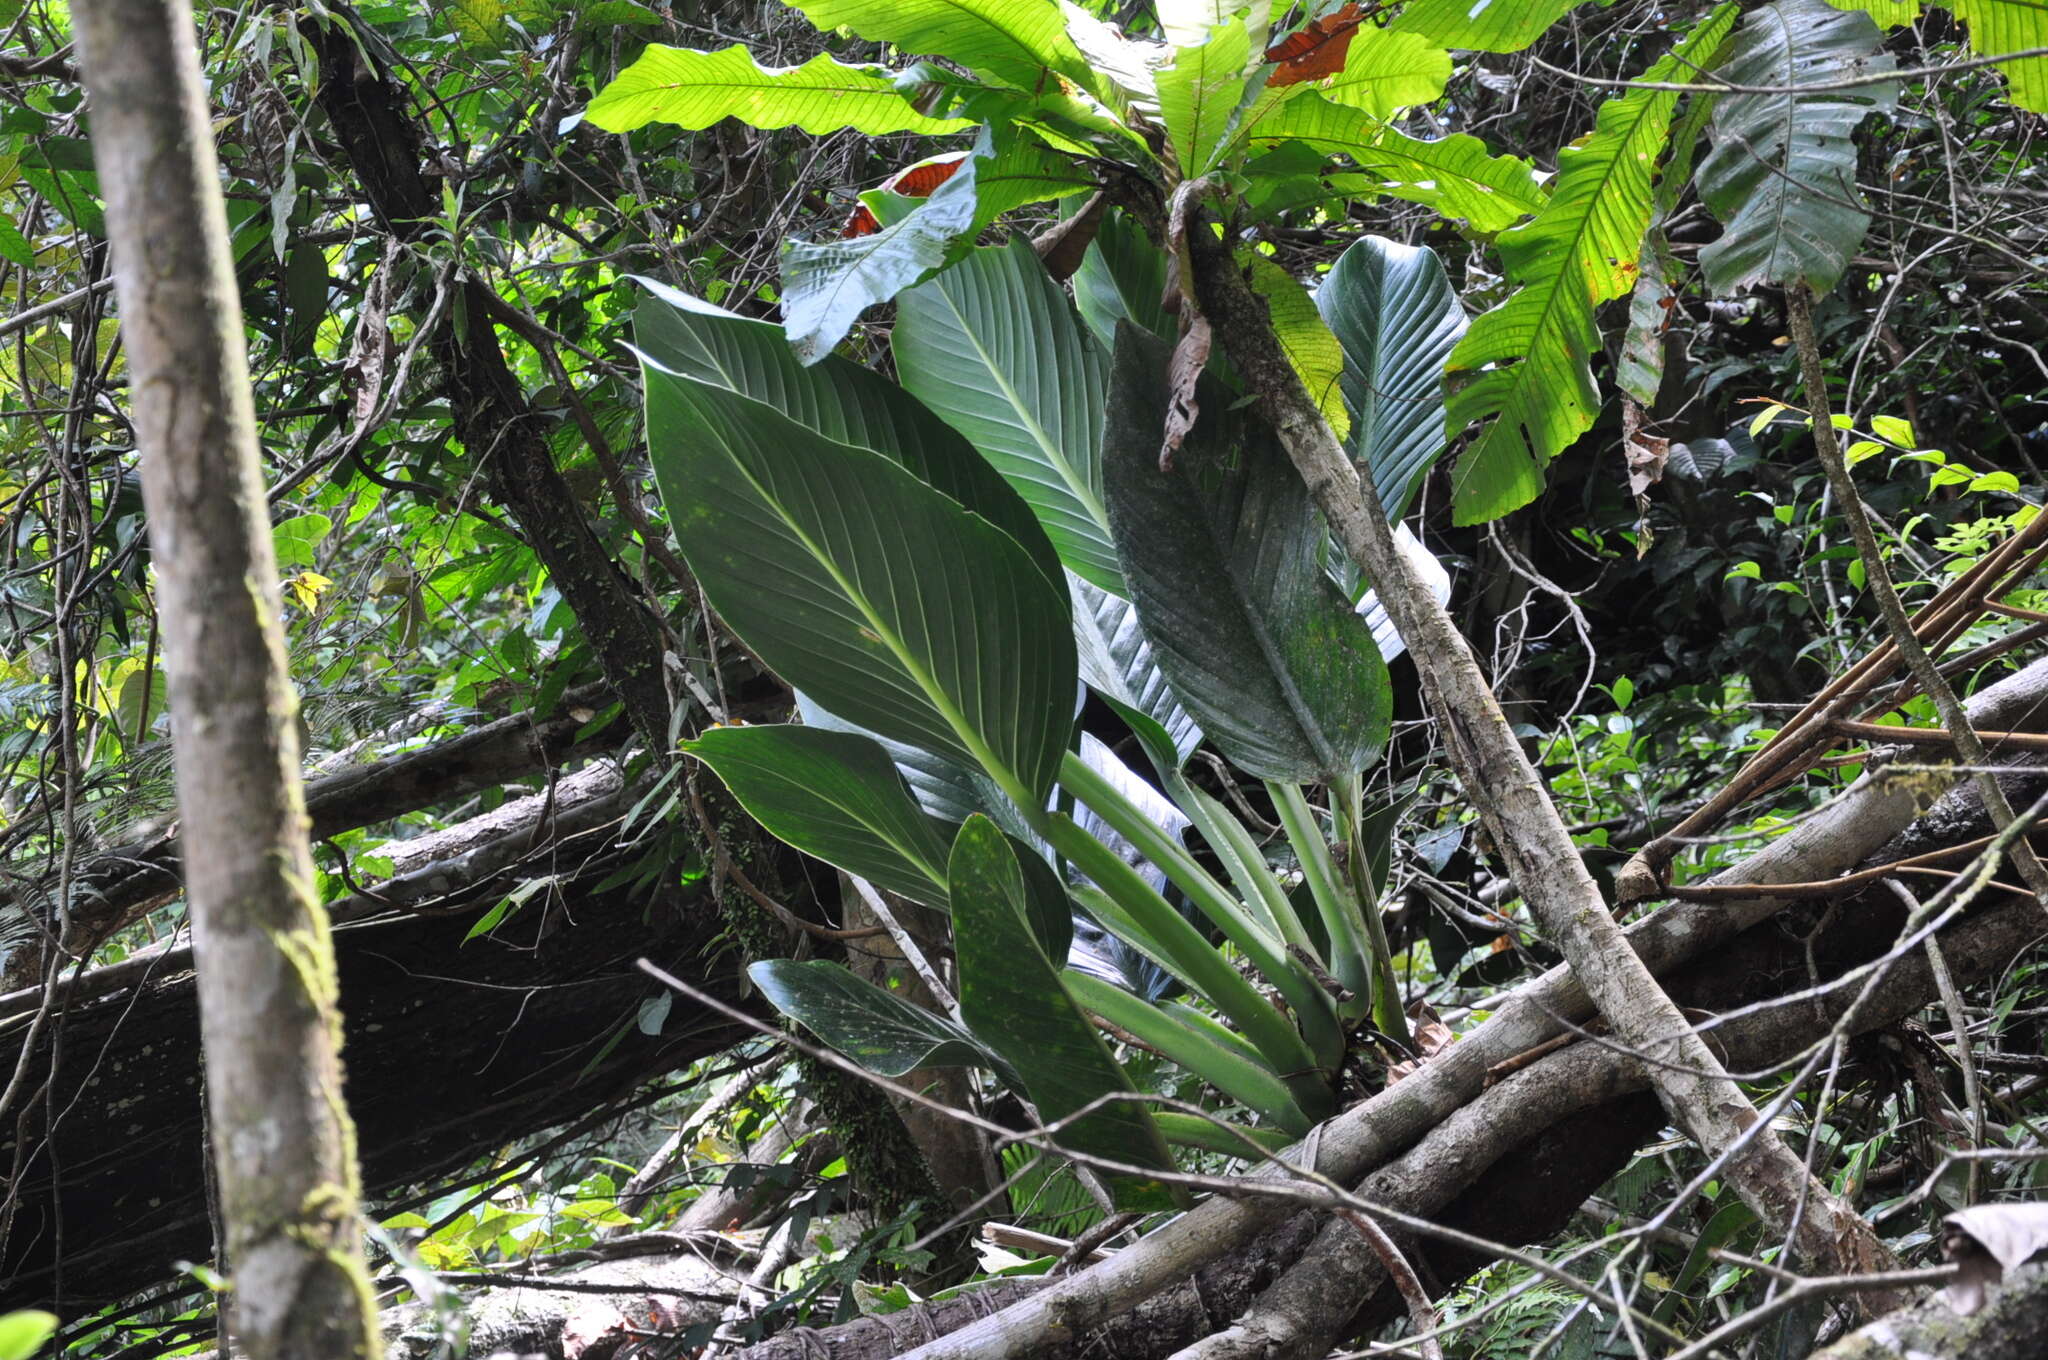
pixel 1431 1036
pixel 1061 246
pixel 1190 356
pixel 1645 455
pixel 1315 50
pixel 912 181
pixel 1987 1240
pixel 371 347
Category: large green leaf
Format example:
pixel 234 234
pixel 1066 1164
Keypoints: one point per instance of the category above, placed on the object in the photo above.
pixel 880 1031
pixel 883 598
pixel 826 285
pixel 1222 558
pixel 835 796
pixel 1199 92
pixel 1455 175
pixel 1023 169
pixel 1996 27
pixel 1012 1000
pixel 1386 70
pixel 993 346
pixel 1499 26
pixel 839 399
pixel 1532 355
pixel 2000 26
pixel 1023 43
pixel 1782 174
pixel 1205 1052
pixel 693 90
pixel 1122 277
pixel 1397 318
pixel 1117 663
pixel 944 788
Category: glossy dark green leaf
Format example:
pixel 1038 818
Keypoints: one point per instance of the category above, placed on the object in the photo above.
pixel 882 598
pixel 1782 173
pixel 1222 559
pixel 1396 316
pixel 880 1031
pixel 1012 1000
pixel 835 796
pixel 839 399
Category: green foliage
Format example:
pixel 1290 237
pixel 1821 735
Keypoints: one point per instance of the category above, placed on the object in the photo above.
pixel 820 554
pixel 1011 996
pixel 1532 357
pixel 1221 557
pixel 696 89
pixel 826 285
pixel 877 1029
pixel 1782 174
pixel 1021 43
pixel 993 346
pixel 1396 318
pixel 22 1334
pixel 833 795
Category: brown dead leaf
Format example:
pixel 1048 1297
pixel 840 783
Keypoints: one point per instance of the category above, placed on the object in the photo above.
pixel 1645 455
pixel 1315 50
pixel 912 181
pixel 1190 357
pixel 371 347
pixel 1062 245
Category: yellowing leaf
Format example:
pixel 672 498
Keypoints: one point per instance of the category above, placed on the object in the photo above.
pixel 307 587
pixel 1310 346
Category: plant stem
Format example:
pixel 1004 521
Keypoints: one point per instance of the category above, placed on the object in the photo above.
pixel 1387 1011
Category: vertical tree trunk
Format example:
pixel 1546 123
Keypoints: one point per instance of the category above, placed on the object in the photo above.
pixel 283 1146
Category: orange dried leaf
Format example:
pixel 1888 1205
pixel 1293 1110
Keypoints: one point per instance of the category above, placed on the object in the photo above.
pixel 912 181
pixel 1317 50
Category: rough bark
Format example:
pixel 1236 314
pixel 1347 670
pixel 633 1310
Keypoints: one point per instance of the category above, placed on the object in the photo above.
pixel 2010 1326
pixel 1516 808
pixel 283 1148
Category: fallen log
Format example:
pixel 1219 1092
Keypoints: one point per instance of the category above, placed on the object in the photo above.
pixel 454 1047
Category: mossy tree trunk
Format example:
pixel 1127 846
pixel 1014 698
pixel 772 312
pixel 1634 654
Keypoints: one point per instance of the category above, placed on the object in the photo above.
pixel 283 1146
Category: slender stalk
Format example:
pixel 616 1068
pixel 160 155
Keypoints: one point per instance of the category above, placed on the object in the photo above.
pixel 1244 860
pixel 1314 1008
pixel 1129 898
pixel 1387 1012
pixel 1350 951
pixel 1251 1084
